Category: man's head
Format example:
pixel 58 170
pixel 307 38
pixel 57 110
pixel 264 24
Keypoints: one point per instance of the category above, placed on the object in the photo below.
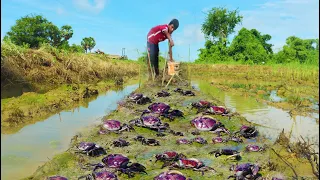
pixel 173 25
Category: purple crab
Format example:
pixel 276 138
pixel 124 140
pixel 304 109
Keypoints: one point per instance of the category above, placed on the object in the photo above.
pixel 235 139
pixel 163 110
pixel 139 98
pixel 163 94
pixel 168 157
pixel 244 171
pixel 191 163
pixel 102 175
pixel 120 163
pixel 57 178
pixel 151 122
pixel 247 132
pixel 219 110
pixel 225 151
pixel 91 149
pixel 218 140
pixel 254 148
pixel 204 123
pixel 145 141
pixel 183 141
pixel 199 140
pixel 201 104
pixel 114 126
pixel 120 143
pixel 171 175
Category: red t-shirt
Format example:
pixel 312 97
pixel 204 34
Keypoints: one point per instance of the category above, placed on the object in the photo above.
pixel 156 34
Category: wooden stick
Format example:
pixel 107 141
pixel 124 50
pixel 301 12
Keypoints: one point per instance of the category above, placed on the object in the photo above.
pixel 151 69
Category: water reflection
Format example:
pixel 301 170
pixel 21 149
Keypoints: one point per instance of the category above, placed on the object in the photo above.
pixel 23 152
pixel 271 119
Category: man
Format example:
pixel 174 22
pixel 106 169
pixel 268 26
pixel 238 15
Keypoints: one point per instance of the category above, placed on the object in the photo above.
pixel 157 34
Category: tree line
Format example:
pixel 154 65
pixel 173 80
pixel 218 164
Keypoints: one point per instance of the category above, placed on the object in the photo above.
pixel 34 30
pixel 249 46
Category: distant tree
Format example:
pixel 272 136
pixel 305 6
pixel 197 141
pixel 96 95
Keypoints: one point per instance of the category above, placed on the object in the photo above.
pixel 34 30
pixel 220 23
pixel 76 48
pixel 66 32
pixel 248 46
pixel 263 39
pixel 88 43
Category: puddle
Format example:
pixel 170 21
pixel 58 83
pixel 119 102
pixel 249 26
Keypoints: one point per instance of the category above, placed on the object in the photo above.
pixel 24 151
pixel 274 97
pixel 271 120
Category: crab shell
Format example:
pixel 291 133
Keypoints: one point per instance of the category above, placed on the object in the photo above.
pixel 183 141
pixel 105 175
pixel 170 175
pixel 167 155
pixel 217 140
pixel 160 108
pixel 135 96
pixel 204 123
pixel 200 140
pixel 57 178
pixel 150 120
pixel 252 147
pixel 85 146
pixel 190 163
pixel 115 160
pixel 204 103
pixel 218 109
pixel 112 125
pixel 247 167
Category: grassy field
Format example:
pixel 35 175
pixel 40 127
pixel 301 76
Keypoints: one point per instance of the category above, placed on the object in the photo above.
pixel 69 164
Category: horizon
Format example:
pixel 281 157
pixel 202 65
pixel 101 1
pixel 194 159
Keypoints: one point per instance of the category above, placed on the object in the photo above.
pixel 123 24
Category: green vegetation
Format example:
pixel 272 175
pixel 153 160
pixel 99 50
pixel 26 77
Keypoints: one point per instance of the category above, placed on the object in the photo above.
pixel 88 43
pixel 250 46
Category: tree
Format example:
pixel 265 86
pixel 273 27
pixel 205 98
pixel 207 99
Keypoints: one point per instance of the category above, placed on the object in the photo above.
pixel 247 47
pixel 220 23
pixel 88 43
pixel 34 30
pixel 66 32
pixel 76 48
pixel 263 39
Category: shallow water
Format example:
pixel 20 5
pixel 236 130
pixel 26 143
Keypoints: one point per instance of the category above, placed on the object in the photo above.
pixel 24 151
pixel 271 120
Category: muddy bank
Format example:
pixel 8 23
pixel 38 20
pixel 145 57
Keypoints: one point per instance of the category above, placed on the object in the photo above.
pixel 69 164
pixel 32 107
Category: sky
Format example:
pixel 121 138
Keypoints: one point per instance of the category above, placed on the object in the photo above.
pixel 117 24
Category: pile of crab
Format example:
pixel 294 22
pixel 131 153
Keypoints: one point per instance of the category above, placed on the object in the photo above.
pixel 206 120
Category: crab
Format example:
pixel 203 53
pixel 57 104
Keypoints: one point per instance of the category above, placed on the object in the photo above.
pixel 199 140
pixel 139 98
pixel 57 178
pixel 176 133
pixel 145 141
pixel 171 115
pixel 163 109
pixel 151 122
pixel 163 94
pixel 244 171
pixel 219 140
pixel 183 141
pixel 102 175
pixel 247 132
pixel 184 93
pixel 171 175
pixel 120 163
pixel 235 139
pixel 219 110
pixel 91 149
pixel 111 125
pixel 201 104
pixel 230 152
pixel 254 148
pixel 204 123
pixel 191 163
pixel 168 156
pixel 120 143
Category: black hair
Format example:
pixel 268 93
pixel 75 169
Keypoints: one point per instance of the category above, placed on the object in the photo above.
pixel 175 23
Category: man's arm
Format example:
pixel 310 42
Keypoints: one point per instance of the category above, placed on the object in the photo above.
pixel 170 43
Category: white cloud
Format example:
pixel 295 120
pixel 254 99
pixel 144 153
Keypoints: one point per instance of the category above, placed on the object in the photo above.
pixel 191 34
pixel 284 18
pixel 60 11
pixel 96 7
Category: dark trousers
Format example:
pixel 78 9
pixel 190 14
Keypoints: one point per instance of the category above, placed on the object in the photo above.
pixel 153 52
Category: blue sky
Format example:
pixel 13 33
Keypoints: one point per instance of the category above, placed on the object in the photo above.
pixel 117 24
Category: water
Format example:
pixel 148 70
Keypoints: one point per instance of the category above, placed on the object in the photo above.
pixel 271 120
pixel 24 151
